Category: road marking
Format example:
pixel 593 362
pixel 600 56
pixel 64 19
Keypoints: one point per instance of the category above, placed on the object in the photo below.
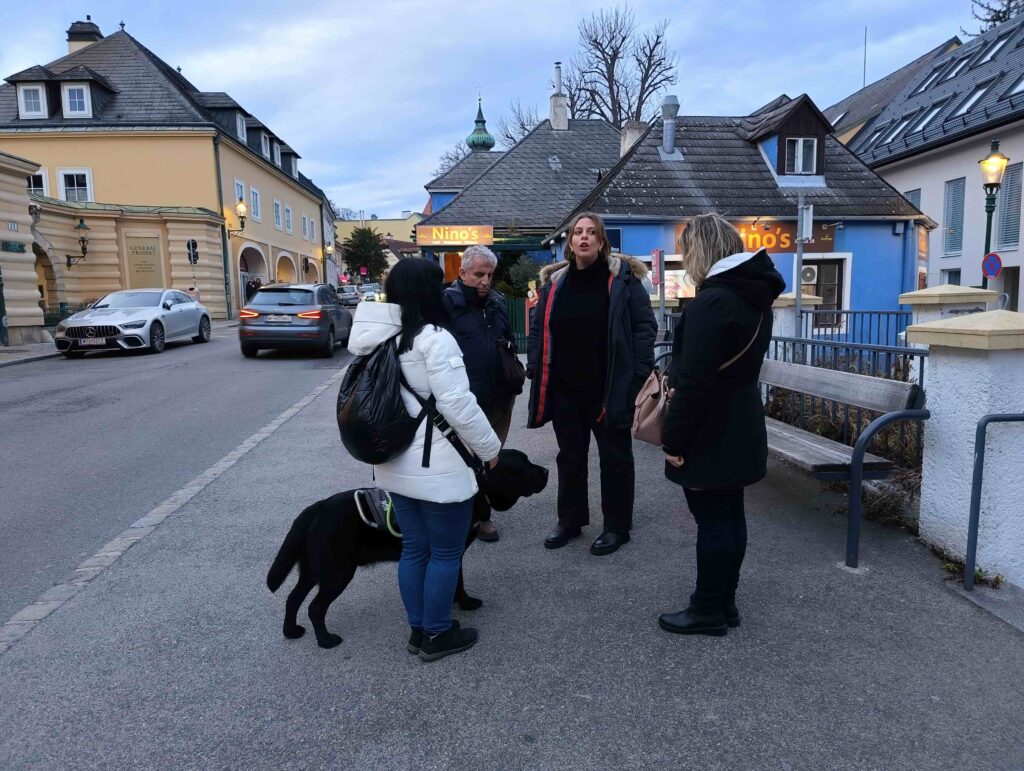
pixel 26 619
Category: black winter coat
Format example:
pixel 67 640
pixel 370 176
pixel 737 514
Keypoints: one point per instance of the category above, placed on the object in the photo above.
pixel 715 420
pixel 632 329
pixel 478 328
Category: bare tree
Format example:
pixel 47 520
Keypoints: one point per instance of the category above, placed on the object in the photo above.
pixel 992 14
pixel 520 121
pixel 449 158
pixel 618 71
pixel 343 212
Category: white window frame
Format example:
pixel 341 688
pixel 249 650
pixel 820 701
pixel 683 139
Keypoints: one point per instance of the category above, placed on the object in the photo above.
pixel 958 68
pixel 43 111
pixel 1003 212
pixel 89 189
pixel 927 117
pixel 240 128
pixel 255 204
pixel 277 154
pixel 798 163
pixel 46 181
pixel 897 128
pixel 277 214
pixel 972 99
pixel 295 167
pixel 288 226
pixel 239 185
pixel 305 228
pixel 265 144
pixel 946 212
pixel 312 230
pixel 994 48
pixel 65 89
pixel 930 80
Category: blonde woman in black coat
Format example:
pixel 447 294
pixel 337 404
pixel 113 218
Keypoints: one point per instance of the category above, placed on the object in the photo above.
pixel 714 434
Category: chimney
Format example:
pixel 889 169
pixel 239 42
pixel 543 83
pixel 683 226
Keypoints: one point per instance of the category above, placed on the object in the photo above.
pixel 82 34
pixel 559 103
pixel 669 111
pixel 406 214
pixel 631 132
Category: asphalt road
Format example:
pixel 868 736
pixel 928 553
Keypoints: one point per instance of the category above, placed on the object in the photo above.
pixel 87 446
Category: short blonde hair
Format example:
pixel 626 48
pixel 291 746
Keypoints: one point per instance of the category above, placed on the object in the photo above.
pixel 706 239
pixel 606 248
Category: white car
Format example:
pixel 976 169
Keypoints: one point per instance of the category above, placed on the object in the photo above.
pixel 134 319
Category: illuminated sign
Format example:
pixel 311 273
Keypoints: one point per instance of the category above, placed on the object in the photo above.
pixel 778 237
pixel 454 235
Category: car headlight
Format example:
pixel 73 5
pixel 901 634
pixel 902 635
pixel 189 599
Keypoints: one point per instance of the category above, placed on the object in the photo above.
pixel 62 327
pixel 133 324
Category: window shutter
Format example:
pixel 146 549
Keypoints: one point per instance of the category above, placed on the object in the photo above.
pixel 1008 229
pixel 914 196
pixel 953 220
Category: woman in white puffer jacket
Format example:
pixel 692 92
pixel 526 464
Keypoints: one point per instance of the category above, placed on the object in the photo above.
pixel 434 504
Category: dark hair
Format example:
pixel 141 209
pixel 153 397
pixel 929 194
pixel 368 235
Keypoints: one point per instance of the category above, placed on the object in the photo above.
pixel 416 284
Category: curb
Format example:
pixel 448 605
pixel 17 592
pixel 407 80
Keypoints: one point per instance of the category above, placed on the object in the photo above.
pixel 28 359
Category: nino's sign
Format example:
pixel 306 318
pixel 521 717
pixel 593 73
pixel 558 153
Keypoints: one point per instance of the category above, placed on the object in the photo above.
pixel 778 237
pixel 454 235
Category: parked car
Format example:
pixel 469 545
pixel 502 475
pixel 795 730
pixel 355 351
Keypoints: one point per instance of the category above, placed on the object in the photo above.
pixel 134 319
pixel 370 292
pixel 349 295
pixel 294 316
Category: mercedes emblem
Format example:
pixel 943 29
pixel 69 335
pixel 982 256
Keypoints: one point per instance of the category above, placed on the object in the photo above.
pixel 90 331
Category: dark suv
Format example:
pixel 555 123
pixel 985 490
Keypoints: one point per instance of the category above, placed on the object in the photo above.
pixel 294 316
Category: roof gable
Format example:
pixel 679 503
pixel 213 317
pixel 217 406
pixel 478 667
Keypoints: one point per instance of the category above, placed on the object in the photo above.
pixel 778 119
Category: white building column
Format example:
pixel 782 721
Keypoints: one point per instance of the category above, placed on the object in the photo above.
pixel 947 301
pixel 785 316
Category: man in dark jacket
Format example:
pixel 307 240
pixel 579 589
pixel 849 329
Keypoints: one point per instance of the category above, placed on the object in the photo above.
pixel 480 323
pixel 591 349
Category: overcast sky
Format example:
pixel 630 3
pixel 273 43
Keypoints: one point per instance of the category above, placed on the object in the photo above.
pixel 370 92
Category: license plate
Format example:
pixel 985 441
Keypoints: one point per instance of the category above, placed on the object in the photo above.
pixel 280 318
pixel 93 341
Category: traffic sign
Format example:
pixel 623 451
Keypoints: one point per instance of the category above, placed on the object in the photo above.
pixel 991 265
pixel 193 251
pixel 657 256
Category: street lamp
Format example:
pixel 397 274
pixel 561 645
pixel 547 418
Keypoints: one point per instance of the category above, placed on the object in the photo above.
pixel 992 168
pixel 81 228
pixel 240 211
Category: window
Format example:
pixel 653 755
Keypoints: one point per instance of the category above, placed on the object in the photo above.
pixel 265 145
pixel 958 68
pixel 1016 88
pixel 75 184
pixel 305 227
pixel 993 49
pixel 1008 213
pixel 951 277
pixel 801 155
pixel 871 139
pixel 914 196
pixel 240 126
pixel 77 103
pixel 826 281
pixel 901 124
pixel 239 191
pixel 312 229
pixel 277 153
pixel 295 167
pixel 953 217
pixel 288 219
pixel 927 117
pixel 254 209
pixel 32 101
pixel 841 116
pixel 277 214
pixel 38 183
pixel 930 79
pixel 975 96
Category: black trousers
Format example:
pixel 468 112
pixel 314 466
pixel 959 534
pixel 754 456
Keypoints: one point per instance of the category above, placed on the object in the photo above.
pixel 721 544
pixel 575 417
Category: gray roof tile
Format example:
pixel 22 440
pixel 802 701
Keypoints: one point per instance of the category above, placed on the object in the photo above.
pixel 465 171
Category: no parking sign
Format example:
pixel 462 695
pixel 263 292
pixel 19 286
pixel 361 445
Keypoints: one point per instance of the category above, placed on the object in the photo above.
pixel 991 265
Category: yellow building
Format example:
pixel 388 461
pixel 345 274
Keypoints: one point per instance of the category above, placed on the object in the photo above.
pixel 400 228
pixel 113 124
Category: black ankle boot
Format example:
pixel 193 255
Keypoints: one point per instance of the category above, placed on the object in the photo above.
pixel 693 621
pixel 732 614
pixel 455 640
pixel 416 637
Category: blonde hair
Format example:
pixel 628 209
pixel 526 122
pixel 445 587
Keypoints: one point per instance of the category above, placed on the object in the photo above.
pixel 606 248
pixel 707 239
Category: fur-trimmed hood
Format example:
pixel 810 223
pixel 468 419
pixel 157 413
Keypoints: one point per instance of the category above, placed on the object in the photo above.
pixel 554 272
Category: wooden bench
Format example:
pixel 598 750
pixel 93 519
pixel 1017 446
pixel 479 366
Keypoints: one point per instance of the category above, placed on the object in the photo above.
pixel 828 459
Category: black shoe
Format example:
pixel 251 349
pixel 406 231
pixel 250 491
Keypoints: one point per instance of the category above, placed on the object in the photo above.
pixel 608 542
pixel 416 638
pixel 690 621
pixel 732 615
pixel 560 536
pixel 455 640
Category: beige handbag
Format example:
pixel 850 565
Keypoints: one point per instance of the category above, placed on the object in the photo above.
pixel 653 400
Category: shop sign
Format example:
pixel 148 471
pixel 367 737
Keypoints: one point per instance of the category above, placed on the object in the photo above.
pixel 12 246
pixel 778 237
pixel 144 262
pixel 454 235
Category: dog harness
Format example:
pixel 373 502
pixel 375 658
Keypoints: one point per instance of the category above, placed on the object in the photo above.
pixel 376 510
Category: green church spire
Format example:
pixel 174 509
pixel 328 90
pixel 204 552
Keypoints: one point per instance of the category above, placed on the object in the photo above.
pixel 480 140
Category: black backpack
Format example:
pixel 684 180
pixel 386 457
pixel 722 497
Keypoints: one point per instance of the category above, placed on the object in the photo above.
pixel 374 424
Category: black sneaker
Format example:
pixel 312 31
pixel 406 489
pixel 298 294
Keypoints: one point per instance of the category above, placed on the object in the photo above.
pixel 691 621
pixel 732 615
pixel 455 640
pixel 416 637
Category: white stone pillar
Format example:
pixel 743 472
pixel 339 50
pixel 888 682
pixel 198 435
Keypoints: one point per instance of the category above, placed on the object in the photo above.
pixel 17 260
pixel 946 301
pixel 975 367
pixel 785 317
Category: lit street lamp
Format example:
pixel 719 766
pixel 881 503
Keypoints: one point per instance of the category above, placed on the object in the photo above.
pixel 992 168
pixel 241 210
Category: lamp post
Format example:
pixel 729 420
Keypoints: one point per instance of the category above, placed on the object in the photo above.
pixel 81 228
pixel 992 168
pixel 241 210
pixel 328 254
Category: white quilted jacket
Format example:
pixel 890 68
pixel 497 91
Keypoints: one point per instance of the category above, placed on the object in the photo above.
pixel 433 366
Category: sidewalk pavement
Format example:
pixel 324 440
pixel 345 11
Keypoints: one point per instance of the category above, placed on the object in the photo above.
pixel 22 354
pixel 173 656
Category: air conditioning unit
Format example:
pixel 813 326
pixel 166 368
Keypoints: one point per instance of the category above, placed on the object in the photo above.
pixel 809 274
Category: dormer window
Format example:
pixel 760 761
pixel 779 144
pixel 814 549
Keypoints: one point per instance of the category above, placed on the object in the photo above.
pixel 295 167
pixel 801 155
pixel 240 126
pixel 32 101
pixel 77 101
pixel 277 154
pixel 265 145
pixel 993 49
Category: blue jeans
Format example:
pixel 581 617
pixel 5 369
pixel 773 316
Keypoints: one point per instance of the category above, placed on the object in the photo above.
pixel 433 539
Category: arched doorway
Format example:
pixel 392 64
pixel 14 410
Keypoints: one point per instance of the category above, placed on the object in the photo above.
pixel 311 274
pixel 285 268
pixel 252 272
pixel 46 279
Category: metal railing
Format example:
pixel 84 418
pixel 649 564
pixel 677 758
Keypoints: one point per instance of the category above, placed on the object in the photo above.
pixel 903 444
pixel 862 327
pixel 54 314
pixel 516 307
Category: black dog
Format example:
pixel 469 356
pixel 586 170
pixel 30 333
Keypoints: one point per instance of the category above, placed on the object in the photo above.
pixel 329 540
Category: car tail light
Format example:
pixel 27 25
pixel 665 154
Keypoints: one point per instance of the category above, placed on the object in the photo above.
pixel 309 314
pixel 247 314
